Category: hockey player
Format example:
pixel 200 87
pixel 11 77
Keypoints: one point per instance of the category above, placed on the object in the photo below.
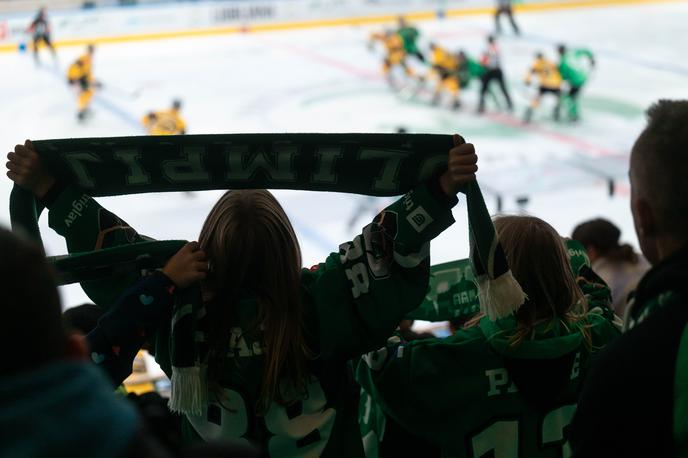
pixel 40 32
pixel 276 338
pixel 492 62
pixel 500 388
pixel 80 75
pixel 549 82
pixel 165 122
pixel 575 73
pixel 469 69
pixel 395 53
pixel 445 68
pixel 505 7
pixel 409 34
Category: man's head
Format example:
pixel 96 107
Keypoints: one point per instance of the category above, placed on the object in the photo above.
pixel 561 49
pixel 90 49
pixel 658 171
pixel 31 333
pixel 177 104
pixel 490 39
pixel 401 21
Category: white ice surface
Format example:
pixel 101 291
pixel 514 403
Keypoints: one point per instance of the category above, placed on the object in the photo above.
pixel 326 80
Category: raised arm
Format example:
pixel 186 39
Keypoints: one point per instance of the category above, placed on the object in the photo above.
pixel 85 225
pixel 361 293
pixel 76 216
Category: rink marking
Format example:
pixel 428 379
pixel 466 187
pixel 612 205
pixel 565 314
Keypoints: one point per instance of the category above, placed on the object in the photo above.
pixel 348 21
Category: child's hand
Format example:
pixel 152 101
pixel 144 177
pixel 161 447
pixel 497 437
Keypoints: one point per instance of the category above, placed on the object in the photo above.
pixel 461 167
pixel 25 169
pixel 187 266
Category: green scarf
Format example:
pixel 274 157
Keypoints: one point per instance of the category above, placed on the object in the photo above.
pixel 498 291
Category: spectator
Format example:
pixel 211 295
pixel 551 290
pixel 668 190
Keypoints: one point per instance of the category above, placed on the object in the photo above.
pixel 53 401
pixel 635 402
pixel 505 387
pixel 618 265
pixel 45 374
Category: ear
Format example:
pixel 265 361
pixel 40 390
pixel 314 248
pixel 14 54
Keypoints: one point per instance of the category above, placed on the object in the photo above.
pixel 645 220
pixel 646 228
pixel 76 347
pixel 592 253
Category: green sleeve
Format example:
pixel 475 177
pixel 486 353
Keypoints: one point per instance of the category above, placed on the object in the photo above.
pixel 86 226
pixel 360 294
pixel 385 375
pixel 582 52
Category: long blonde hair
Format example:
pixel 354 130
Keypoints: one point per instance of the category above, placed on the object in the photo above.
pixel 252 249
pixel 538 259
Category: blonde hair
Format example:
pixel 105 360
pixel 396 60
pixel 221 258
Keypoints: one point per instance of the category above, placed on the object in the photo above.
pixel 538 259
pixel 253 250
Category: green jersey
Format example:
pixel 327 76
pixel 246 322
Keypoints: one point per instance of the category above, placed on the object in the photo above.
pixel 468 70
pixel 353 301
pixel 573 68
pixel 409 36
pixel 474 394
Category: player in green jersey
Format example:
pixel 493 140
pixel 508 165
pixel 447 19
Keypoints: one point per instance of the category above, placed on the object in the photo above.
pixel 574 67
pixel 409 34
pixel 276 339
pixel 469 69
pixel 504 388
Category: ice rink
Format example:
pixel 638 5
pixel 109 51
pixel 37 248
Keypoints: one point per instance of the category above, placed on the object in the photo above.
pixel 327 80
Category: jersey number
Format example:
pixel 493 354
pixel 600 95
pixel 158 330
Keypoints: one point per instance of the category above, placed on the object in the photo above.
pixel 501 437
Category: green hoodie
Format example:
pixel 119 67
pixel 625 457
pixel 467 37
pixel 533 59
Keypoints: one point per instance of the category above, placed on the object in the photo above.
pixel 475 392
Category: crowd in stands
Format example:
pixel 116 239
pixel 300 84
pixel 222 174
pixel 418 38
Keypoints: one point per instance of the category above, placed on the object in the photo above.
pixel 269 359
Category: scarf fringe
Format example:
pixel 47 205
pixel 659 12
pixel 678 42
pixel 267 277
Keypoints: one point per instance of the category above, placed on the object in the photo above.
pixel 188 391
pixel 501 296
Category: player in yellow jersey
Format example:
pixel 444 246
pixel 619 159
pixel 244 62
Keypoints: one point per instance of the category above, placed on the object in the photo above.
pixel 395 53
pixel 165 122
pixel 445 68
pixel 549 80
pixel 80 74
